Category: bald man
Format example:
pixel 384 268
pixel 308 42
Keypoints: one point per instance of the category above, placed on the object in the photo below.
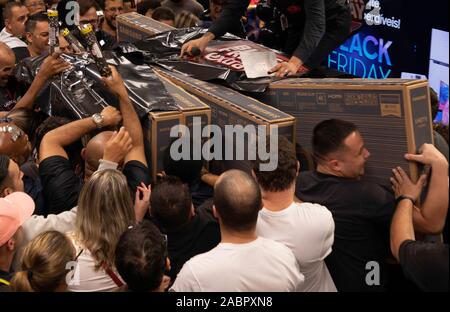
pixel 15 15
pixel 242 262
pixel 12 93
pixel 9 93
pixel 94 152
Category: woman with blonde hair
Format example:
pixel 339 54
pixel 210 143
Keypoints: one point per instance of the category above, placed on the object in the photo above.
pixel 105 211
pixel 45 264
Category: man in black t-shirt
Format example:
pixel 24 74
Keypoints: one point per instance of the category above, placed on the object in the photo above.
pixel 190 232
pixel 362 211
pixel 61 185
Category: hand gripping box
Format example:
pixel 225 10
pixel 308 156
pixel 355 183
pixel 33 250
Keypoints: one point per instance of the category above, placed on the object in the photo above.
pixel 393 115
pixel 159 124
pixel 132 27
pixel 231 108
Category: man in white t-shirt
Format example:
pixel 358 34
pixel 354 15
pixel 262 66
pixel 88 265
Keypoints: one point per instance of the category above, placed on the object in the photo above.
pixel 15 15
pixel 306 228
pixel 242 262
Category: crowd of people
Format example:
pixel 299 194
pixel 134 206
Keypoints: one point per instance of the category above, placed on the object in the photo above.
pixel 79 211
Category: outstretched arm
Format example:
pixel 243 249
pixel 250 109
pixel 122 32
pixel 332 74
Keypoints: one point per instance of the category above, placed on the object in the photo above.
pixel 131 120
pixel 54 142
pixel 52 65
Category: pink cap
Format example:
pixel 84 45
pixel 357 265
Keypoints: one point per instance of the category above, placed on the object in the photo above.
pixel 15 209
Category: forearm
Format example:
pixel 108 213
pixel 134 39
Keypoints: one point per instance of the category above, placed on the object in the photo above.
pixel 430 218
pixel 54 142
pixel 208 37
pixel 30 96
pixel 131 120
pixel 210 179
pixel 402 226
pixel 71 132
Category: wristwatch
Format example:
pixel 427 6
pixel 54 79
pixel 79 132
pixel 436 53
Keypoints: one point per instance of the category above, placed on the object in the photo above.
pixel 98 120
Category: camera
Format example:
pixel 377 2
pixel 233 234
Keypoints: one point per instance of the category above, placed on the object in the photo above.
pixel 270 34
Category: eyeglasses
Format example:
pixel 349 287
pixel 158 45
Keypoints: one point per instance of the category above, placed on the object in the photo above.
pixel 13 130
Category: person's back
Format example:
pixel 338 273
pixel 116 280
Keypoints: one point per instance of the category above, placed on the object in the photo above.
pixel 190 232
pixel 307 229
pixel 262 265
pixel 242 261
pixel 105 211
pixel 361 213
pixel 200 235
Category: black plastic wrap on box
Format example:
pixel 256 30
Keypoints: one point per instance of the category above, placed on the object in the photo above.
pixel 79 92
pixel 220 62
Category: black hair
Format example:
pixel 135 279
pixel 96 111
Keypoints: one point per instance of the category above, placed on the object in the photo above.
pixel 171 204
pixel 73 150
pixel 86 5
pixel 285 174
pixel 329 137
pixel 140 257
pixel 32 21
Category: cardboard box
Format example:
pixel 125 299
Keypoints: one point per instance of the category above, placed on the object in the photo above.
pixel 190 106
pixel 157 131
pixel 229 107
pixel 157 127
pixel 393 115
pixel 132 27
